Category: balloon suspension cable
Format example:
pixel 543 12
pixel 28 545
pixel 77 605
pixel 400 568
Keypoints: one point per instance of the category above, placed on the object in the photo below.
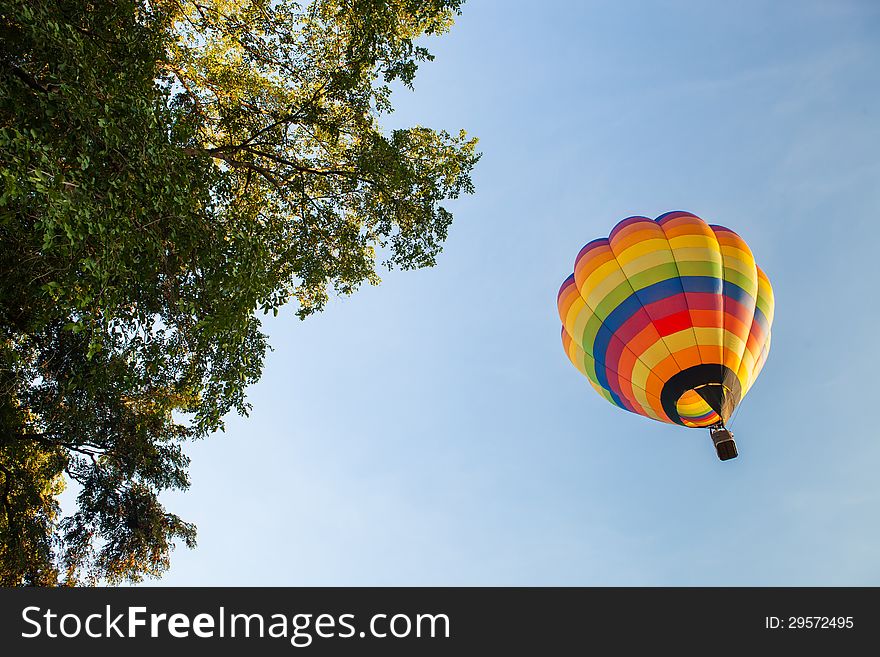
pixel 736 411
pixel 722 438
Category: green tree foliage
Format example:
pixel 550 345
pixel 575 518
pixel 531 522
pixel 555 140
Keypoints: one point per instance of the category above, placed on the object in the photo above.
pixel 171 170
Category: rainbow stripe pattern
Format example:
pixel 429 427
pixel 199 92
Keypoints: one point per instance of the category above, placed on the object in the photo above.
pixel 668 318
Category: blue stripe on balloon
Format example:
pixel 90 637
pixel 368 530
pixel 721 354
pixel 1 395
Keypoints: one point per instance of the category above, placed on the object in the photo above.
pixel 604 335
pixel 761 320
pixel 701 284
pixel 738 294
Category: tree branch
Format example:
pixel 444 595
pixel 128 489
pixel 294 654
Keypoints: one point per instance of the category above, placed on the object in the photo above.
pixel 29 80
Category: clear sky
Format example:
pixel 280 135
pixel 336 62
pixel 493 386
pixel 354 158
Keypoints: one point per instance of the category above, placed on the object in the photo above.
pixel 431 431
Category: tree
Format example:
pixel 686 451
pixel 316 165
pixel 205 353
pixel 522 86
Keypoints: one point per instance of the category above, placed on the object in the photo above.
pixel 171 171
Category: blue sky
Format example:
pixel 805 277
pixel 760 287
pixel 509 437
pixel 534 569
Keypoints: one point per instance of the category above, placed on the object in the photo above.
pixel 431 431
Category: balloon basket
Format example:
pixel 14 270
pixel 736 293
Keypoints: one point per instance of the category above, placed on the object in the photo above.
pixel 724 443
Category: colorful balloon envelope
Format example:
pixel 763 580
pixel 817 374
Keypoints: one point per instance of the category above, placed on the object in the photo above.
pixel 668 318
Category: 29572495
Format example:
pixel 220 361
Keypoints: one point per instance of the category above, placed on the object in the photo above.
pixel 809 622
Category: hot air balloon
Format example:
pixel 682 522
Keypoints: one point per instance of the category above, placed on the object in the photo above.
pixel 669 318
